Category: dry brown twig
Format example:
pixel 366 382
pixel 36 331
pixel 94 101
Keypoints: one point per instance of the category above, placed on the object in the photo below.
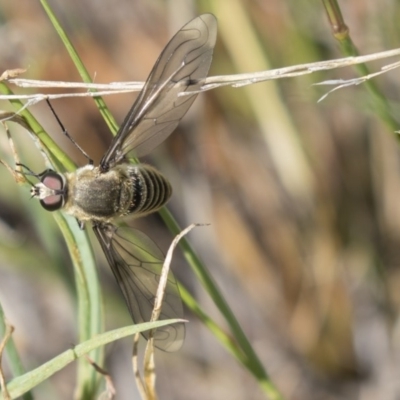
pixel 146 385
pixel 11 74
pixel 3 386
pixel 17 172
pixel 110 391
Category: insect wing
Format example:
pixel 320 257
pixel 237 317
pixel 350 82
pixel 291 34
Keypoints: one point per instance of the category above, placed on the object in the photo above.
pixel 157 111
pixel 136 263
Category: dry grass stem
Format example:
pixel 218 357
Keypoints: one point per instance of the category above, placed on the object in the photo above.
pixel 212 82
pixel 9 331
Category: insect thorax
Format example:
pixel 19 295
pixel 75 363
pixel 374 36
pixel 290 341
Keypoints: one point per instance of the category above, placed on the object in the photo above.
pixel 124 189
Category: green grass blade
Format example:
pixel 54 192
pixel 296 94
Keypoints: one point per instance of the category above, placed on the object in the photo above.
pixel 379 103
pixel 15 362
pixel 248 357
pixel 80 67
pixel 90 316
pixel 90 313
pixel 22 384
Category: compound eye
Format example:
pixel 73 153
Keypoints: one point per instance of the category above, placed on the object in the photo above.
pixel 55 182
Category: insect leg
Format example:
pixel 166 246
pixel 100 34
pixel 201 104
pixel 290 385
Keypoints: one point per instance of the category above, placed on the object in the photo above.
pixel 65 132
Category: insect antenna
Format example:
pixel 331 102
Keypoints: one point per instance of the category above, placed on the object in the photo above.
pixel 26 173
pixel 65 132
pixel 28 170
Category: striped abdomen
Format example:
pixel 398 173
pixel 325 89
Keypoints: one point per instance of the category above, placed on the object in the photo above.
pixel 150 189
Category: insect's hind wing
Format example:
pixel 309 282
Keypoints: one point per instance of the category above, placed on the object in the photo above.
pixel 136 263
pixel 183 63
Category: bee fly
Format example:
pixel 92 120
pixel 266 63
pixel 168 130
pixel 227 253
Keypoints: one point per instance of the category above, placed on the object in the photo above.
pixel 117 188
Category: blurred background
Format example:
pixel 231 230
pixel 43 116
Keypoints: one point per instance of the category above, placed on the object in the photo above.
pixel 301 196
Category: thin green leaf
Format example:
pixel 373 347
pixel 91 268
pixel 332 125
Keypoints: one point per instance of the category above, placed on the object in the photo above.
pixel 14 360
pixel 26 382
pixel 80 67
pixel 245 353
pixel 90 315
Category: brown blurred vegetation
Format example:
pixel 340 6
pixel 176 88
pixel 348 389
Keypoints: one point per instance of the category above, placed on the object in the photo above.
pixel 301 197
